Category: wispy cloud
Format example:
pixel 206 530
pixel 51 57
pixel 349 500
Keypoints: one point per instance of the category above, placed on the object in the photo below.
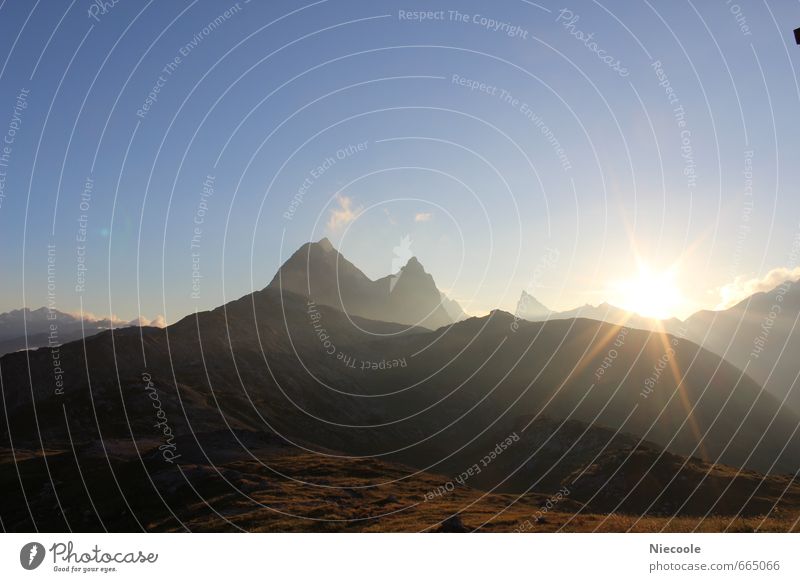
pixel 422 216
pixel 343 214
pixel 741 288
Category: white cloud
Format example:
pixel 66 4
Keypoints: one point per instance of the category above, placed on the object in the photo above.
pixel 422 216
pixel 741 288
pixel 90 317
pixel 159 321
pixel 344 214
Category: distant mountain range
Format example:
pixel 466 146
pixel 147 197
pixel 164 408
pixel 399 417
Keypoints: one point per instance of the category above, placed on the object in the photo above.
pixel 531 309
pixel 761 335
pixel 34 328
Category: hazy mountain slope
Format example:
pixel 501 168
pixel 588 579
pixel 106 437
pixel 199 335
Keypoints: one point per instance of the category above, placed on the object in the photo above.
pixel 453 309
pixel 555 368
pixel 319 271
pixel 761 334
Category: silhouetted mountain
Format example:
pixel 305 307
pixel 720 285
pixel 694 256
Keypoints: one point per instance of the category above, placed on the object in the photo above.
pixel 678 395
pixel 320 272
pixel 304 370
pixel 453 309
pixel 260 365
pixel 760 335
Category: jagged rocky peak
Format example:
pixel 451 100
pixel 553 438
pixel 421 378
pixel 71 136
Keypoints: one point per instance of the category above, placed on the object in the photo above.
pixel 410 297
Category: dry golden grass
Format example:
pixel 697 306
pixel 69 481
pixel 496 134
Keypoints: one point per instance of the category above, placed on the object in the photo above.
pixel 290 491
pixel 371 496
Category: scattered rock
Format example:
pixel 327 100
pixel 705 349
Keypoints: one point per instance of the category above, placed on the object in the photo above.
pixel 453 524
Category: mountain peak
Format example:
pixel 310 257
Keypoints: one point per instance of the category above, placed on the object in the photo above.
pixel 528 307
pixel 325 245
pixel 413 264
pixel 500 314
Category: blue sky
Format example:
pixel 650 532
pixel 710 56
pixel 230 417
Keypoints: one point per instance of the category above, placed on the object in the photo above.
pixel 490 139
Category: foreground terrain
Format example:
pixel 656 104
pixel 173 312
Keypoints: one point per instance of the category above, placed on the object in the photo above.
pixel 284 489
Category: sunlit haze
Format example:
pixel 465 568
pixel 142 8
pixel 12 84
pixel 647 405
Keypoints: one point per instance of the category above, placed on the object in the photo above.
pixel 650 293
pixel 481 144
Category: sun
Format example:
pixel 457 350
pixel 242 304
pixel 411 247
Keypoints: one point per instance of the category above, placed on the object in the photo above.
pixel 651 293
